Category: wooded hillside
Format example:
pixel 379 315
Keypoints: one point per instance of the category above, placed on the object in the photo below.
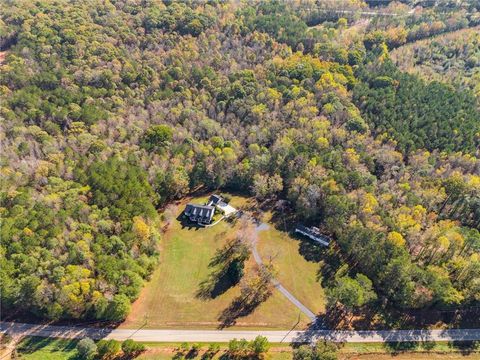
pixel 113 109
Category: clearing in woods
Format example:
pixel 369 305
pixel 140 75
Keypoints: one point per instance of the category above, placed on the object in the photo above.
pixel 169 299
pixel 295 273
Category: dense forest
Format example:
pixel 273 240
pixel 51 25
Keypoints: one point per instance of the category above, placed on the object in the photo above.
pixel 453 57
pixel 418 114
pixel 112 109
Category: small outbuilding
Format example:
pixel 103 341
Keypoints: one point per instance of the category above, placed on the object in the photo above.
pixel 314 234
pixel 214 200
pixel 221 205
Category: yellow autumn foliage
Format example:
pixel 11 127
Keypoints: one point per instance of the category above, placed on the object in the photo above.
pixel 352 157
pixel 330 185
pixel 369 203
pixel 141 228
pixel 443 242
pixel 473 181
pixel 396 238
pixel 322 142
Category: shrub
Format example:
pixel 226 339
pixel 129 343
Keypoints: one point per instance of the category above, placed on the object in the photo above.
pixel 226 198
pixel 214 348
pixel 131 348
pixel 259 345
pixel 194 351
pixel 233 346
pixel 108 349
pixel 86 348
pixel 323 350
pixel 303 352
pixel 326 350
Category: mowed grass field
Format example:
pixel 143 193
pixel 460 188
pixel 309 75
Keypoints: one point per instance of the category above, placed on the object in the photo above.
pixel 170 299
pixel 36 348
pixel 285 353
pixel 294 272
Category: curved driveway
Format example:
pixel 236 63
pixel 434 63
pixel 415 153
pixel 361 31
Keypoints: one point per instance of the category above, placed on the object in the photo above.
pixel 287 336
pixel 310 314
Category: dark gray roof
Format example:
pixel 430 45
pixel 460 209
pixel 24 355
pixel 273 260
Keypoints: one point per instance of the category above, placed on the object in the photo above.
pixel 215 199
pixel 200 213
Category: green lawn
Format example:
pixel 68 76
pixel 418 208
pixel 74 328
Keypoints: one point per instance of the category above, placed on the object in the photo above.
pixel 298 275
pixel 281 355
pixel 161 351
pixel 414 351
pixel 36 348
pixel 170 299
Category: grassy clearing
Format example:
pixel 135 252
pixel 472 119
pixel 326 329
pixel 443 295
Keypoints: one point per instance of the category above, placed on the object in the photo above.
pixel 163 355
pixel 170 299
pixel 37 348
pixel 410 356
pixel 414 350
pixel 160 351
pixel 297 274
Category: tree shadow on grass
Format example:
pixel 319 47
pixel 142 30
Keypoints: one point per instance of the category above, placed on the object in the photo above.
pixel 284 221
pixel 33 344
pixel 310 251
pixel 132 356
pixel 217 283
pixel 192 354
pixel 331 261
pixel 226 270
pixel 465 347
pixel 390 317
pixel 189 354
pixel 399 347
pixel 239 307
pixel 429 345
pixel 253 292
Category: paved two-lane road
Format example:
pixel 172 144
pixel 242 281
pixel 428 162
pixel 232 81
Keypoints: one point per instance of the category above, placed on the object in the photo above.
pixel 73 332
pixel 287 336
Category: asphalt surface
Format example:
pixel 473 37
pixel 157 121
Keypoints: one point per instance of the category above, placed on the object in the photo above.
pixel 72 332
pixel 258 259
pixel 287 336
pixel 295 301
